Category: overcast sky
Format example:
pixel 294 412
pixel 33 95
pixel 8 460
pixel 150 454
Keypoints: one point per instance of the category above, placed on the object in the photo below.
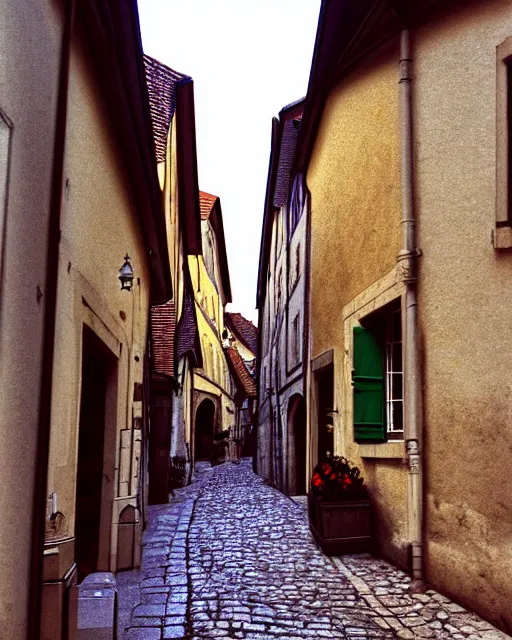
pixel 248 59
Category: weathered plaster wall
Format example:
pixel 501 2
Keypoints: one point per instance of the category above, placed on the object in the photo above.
pixel 465 310
pixel 29 50
pixel 354 180
pixel 214 377
pixel 99 225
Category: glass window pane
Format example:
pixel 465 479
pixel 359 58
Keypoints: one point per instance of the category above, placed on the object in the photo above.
pixel 397 386
pixel 398 418
pixel 397 326
pixel 397 356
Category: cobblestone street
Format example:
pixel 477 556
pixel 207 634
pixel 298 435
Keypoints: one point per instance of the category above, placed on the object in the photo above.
pixel 232 557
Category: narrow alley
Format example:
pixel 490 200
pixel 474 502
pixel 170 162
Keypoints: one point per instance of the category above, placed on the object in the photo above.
pixel 232 557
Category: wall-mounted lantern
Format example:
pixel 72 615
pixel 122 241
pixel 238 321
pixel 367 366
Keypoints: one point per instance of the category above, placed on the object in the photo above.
pixel 126 274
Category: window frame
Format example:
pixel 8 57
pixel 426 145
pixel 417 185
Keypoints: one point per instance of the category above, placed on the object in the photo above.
pixel 380 324
pixel 503 228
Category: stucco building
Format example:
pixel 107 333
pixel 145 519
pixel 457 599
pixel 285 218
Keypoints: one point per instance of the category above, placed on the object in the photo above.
pixel 213 408
pixel 281 435
pixel 81 192
pixel 175 343
pixel 241 345
pixel 405 146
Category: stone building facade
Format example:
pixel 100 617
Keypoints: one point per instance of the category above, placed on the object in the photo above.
pixel 281 435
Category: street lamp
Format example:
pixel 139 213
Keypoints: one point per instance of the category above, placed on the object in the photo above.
pixel 126 274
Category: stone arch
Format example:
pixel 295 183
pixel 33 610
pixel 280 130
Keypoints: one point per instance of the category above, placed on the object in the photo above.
pixel 204 429
pixel 297 445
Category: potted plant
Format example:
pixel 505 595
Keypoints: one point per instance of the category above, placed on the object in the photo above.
pixel 338 507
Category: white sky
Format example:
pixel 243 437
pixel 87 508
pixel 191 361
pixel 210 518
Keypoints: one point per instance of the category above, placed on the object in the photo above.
pixel 248 59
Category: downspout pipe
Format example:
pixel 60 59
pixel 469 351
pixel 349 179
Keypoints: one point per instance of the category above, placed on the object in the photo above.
pixel 407 269
pixel 50 297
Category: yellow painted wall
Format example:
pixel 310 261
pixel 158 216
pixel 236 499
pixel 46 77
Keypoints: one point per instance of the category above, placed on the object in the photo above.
pixel 354 180
pixel 465 307
pixel 29 50
pixel 99 225
pixel 210 317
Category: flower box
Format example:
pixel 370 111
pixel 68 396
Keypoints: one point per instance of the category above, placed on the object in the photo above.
pixel 340 527
pixel 338 508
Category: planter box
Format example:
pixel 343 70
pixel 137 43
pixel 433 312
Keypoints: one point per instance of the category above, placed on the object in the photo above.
pixel 340 527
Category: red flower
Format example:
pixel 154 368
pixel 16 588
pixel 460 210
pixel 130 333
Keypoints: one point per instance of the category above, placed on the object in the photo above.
pixel 333 476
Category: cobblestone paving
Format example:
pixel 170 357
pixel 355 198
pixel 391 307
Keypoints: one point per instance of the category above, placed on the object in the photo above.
pixel 233 558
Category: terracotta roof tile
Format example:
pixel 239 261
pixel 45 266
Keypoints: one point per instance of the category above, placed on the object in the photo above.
pixel 163 331
pixel 161 81
pixel 206 202
pixel 245 383
pixel 244 330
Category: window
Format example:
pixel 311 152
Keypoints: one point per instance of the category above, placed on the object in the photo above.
pixel 503 231
pixel 296 201
pixel 377 377
pixel 394 375
pixel 295 346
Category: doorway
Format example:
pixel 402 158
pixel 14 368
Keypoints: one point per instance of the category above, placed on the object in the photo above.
pixel 204 428
pixel 298 445
pixel 96 456
pixel 325 410
pixel 160 443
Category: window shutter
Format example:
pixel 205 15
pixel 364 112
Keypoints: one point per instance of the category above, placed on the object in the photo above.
pixel 369 392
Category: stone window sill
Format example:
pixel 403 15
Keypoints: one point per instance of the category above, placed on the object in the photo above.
pixel 503 237
pixel 386 450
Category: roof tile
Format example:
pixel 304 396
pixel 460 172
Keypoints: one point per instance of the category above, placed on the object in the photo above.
pixel 206 202
pixel 243 379
pixel 244 330
pixel 161 81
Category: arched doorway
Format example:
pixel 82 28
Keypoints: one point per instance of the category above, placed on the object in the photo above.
pixel 204 428
pixel 298 445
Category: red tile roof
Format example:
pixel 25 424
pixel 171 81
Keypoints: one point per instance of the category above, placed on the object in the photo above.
pixel 206 202
pixel 245 384
pixel 244 330
pixel 163 331
pixel 161 81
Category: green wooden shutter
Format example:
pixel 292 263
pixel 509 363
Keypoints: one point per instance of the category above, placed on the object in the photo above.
pixel 369 392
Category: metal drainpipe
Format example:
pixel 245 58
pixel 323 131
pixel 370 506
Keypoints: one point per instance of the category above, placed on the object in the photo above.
pixel 407 266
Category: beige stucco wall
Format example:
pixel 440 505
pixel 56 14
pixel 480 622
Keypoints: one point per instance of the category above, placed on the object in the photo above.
pixel 29 51
pixel 354 180
pixel 99 225
pixel 465 310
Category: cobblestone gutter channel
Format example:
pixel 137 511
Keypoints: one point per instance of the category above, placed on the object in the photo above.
pixel 233 558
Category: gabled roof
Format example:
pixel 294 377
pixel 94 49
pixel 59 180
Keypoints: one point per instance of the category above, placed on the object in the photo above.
pixel 290 123
pixel 245 384
pixel 206 202
pixel 282 154
pixel 163 330
pixel 211 210
pixel 161 81
pixel 170 91
pixel 243 330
